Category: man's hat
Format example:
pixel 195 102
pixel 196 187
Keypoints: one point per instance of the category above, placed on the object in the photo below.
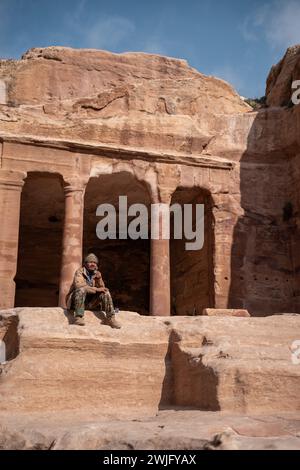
pixel 91 258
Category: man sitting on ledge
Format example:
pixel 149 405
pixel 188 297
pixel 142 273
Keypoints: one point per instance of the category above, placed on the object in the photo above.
pixel 88 292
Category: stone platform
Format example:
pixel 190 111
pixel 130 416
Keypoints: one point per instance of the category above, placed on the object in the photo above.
pixel 192 382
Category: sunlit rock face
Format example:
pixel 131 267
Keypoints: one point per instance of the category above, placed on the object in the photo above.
pixel 156 130
pixel 155 383
pixel 81 127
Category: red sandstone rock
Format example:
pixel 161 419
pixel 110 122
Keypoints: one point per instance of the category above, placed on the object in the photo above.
pixel 213 312
pixel 156 130
pixel 210 363
pixel 97 388
pixel 134 99
pixel 279 82
pixel 168 430
pixel 82 127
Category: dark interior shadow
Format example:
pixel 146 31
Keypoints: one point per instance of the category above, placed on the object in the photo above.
pixel 167 390
pixel 11 337
pixel 188 384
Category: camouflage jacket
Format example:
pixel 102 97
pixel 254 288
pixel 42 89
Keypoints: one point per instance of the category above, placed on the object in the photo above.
pixel 81 280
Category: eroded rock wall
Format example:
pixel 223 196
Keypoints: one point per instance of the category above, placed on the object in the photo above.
pixel 232 364
pixel 152 103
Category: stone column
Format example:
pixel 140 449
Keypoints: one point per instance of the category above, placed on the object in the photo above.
pixel 160 281
pixel 72 236
pixel 11 183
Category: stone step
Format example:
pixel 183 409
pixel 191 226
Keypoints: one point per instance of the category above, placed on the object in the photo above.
pixel 208 363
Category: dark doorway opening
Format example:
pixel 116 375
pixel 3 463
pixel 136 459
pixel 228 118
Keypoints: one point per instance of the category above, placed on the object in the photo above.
pixel 124 264
pixel 40 241
pixel 192 278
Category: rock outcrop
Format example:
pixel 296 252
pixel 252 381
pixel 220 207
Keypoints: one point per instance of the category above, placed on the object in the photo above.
pixel 94 374
pixel 282 75
pixel 82 127
pixel 210 363
pixel 131 99
pixel 143 122
pixel 134 99
pixel 168 430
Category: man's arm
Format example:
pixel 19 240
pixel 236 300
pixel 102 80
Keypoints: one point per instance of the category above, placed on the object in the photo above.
pixel 99 283
pixel 80 283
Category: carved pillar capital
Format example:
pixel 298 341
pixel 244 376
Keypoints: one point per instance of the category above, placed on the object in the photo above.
pixel 165 195
pixel 12 180
pixel 75 184
pixel 161 195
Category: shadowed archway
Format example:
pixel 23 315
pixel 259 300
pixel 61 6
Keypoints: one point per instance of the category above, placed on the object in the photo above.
pixel 192 280
pixel 124 264
pixel 40 241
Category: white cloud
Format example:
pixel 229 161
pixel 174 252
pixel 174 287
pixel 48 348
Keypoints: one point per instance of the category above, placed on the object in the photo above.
pixel 158 41
pixel 284 27
pixel 79 10
pixel 277 22
pixel 78 27
pixel 155 46
pixel 107 32
pixel 250 27
pixel 101 32
pixel 247 31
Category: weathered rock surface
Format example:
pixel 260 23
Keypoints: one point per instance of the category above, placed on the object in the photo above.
pixel 96 114
pixel 218 312
pixel 132 99
pixel 230 364
pixel 194 382
pixel 68 383
pixel 169 429
pixel 279 82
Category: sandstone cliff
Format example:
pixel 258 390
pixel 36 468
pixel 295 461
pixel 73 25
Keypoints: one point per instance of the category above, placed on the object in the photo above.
pixel 131 99
pixel 281 77
pixel 160 106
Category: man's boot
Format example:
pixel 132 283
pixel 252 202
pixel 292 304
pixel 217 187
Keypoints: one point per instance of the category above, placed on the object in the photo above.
pixel 112 322
pixel 79 321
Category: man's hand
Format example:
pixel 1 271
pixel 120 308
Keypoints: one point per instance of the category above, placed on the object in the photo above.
pixel 102 289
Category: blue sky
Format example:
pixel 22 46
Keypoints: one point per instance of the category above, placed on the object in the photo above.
pixel 234 40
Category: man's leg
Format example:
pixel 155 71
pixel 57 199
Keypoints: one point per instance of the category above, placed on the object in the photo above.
pixel 78 304
pixel 108 307
pixel 102 301
pixel 107 304
pixel 93 301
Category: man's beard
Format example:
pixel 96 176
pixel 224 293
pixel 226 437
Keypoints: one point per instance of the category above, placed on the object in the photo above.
pixel 92 270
